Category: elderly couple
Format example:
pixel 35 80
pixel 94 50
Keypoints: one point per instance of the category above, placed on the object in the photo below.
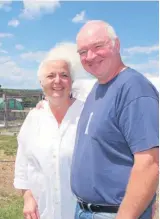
pixel 92 160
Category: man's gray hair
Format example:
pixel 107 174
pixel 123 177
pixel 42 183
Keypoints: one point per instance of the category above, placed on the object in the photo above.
pixel 110 30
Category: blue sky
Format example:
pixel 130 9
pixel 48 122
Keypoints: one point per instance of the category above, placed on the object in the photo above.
pixel 28 29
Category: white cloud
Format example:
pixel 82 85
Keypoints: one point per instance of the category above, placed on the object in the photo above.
pixel 5 5
pixel 80 18
pixel 13 76
pixel 8 67
pixel 7 63
pixel 124 57
pixel 3 51
pixel 148 53
pixel 150 67
pixel 13 23
pixel 6 35
pixel 142 49
pixel 154 80
pixel 4 59
pixel 33 9
pixel 19 47
pixel 37 56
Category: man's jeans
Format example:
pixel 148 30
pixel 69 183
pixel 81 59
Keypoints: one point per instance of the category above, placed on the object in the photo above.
pixel 81 214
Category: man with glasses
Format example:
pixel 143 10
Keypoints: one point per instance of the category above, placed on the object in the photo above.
pixel 115 162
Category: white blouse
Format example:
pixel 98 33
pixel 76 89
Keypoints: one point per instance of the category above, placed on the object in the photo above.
pixel 44 159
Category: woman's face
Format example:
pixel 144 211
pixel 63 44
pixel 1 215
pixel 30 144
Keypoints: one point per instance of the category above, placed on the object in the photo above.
pixel 56 80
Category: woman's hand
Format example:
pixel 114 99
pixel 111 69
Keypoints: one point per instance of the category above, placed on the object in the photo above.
pixel 30 209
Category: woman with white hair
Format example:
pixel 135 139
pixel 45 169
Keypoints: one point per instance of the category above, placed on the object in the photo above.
pixel 46 140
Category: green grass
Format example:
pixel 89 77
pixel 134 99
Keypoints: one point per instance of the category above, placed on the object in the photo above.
pixel 8 144
pixel 11 204
pixel 11 207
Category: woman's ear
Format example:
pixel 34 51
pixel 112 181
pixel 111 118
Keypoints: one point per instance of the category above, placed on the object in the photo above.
pixel 40 81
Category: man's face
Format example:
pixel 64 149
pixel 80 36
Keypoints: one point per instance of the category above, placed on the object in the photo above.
pixel 96 51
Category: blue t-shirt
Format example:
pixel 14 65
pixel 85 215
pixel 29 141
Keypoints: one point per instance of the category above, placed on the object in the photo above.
pixel 119 119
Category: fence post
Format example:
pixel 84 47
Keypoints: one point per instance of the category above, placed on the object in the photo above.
pixel 40 97
pixel 5 111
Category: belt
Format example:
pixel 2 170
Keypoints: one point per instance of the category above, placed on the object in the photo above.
pixel 98 208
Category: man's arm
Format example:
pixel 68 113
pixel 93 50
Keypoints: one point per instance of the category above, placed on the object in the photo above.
pixel 142 185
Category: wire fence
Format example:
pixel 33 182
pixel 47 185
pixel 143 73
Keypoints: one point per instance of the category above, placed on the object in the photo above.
pixel 14 108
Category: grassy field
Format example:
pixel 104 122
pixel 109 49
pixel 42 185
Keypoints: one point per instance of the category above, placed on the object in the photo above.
pixel 11 202
pixel 10 206
pixel 8 145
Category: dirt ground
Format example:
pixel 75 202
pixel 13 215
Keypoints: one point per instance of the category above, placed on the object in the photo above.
pixel 6 177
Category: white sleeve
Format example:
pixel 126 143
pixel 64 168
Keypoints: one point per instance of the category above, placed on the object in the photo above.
pixel 21 163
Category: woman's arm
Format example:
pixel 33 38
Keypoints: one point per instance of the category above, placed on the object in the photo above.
pixel 21 163
pixel 30 209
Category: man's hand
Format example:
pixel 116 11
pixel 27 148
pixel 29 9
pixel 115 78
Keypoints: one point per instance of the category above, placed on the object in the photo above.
pixel 40 104
pixel 30 209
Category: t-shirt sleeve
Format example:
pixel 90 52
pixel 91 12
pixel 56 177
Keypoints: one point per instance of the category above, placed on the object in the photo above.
pixel 138 122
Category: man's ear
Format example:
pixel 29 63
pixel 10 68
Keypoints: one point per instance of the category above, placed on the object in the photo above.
pixel 117 45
